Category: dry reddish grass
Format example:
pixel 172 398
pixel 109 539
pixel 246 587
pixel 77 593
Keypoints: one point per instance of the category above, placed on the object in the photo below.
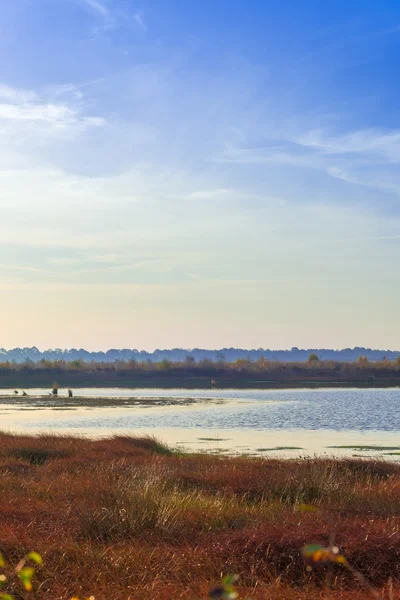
pixel 123 518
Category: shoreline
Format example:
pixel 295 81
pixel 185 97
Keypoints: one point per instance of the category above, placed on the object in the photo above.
pixel 274 376
pixel 247 443
pixel 229 386
pixel 199 422
pixel 186 386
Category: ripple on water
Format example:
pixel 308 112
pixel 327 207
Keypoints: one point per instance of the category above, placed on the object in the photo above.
pixel 334 409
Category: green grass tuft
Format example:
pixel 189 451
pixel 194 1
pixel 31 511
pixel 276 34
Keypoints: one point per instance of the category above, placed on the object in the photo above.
pixel 148 442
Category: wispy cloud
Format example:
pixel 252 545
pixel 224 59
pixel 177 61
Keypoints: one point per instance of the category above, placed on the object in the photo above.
pixel 209 194
pixel 37 112
pixel 69 90
pixel 378 142
pixel 97 7
pixel 62 261
pixel 16 95
pixel 109 15
pixel 139 18
pixel 364 157
pixel 28 269
pixel 24 108
pixel 104 16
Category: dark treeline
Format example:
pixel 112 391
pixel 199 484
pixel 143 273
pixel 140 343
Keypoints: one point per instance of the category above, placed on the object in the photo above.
pixel 295 355
pixel 189 373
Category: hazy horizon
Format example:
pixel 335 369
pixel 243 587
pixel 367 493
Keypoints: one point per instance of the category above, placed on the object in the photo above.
pixel 216 350
pixel 199 174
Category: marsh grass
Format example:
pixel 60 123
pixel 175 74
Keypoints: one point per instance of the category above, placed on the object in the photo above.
pixel 149 443
pixel 36 456
pixel 127 518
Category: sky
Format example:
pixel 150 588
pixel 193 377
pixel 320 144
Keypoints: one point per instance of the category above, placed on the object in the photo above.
pixel 199 174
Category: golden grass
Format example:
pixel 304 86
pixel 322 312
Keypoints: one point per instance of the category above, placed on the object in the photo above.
pixel 125 518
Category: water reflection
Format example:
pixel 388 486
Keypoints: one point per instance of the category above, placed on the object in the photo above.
pixel 283 412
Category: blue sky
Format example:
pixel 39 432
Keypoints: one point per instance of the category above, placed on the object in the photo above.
pixel 215 173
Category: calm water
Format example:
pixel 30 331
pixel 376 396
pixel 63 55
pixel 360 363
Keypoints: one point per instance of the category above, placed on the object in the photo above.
pixel 285 414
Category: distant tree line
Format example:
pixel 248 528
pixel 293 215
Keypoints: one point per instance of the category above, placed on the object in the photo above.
pixel 205 373
pixel 205 365
pixel 179 355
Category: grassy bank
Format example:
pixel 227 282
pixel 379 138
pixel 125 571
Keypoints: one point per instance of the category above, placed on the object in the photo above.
pixel 262 374
pixel 125 518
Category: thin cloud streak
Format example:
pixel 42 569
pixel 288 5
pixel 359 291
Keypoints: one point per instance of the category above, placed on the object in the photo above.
pixel 98 7
pixel 383 144
pixel 22 268
pixel 105 18
pixel 364 157
pixel 139 18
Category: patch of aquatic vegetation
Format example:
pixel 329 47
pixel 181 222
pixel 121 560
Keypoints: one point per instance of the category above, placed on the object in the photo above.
pixel 360 456
pixel 214 452
pixel 279 448
pixel 362 448
pixel 36 402
pixel 213 439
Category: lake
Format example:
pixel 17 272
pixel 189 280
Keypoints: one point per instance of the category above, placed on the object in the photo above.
pixel 267 422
